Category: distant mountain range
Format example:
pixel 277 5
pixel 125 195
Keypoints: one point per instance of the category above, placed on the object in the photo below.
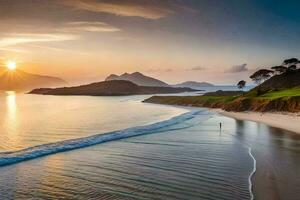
pixel 143 80
pixel 194 84
pixel 20 80
pixel 139 79
pixel 110 88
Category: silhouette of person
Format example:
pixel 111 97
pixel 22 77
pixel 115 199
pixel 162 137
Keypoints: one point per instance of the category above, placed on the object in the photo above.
pixel 220 126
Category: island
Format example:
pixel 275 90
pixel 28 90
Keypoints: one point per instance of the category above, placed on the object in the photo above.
pixel 139 79
pixel 109 88
pixel 194 84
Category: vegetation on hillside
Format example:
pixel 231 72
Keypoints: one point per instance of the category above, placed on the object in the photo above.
pixel 278 90
pixel 283 100
pixel 282 76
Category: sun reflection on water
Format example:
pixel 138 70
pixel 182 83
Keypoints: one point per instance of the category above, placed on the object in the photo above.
pixel 11 104
pixel 11 115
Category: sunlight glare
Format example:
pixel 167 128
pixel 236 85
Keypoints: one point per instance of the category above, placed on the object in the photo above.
pixel 11 65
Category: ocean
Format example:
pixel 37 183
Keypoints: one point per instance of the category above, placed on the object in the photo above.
pixel 75 147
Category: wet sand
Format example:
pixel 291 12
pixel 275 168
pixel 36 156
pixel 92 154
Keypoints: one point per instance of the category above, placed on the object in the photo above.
pixel 287 121
pixel 275 142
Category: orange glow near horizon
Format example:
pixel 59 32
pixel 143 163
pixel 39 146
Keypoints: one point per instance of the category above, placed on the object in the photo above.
pixel 84 41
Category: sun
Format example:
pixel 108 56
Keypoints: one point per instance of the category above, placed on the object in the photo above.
pixel 11 65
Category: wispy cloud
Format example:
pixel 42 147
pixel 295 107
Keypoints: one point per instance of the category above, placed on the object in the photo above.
pixel 16 39
pixel 16 50
pixel 154 9
pixel 196 68
pixel 85 26
pixel 238 68
pixel 154 70
pixel 11 42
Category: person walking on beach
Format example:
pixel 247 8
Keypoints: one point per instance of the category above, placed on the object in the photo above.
pixel 220 126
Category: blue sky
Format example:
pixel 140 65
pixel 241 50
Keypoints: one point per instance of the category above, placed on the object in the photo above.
pixel 175 40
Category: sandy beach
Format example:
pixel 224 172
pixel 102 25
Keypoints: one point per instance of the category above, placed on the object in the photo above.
pixel 269 183
pixel 287 121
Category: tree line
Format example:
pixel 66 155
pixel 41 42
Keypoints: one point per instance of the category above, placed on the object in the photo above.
pixel 287 66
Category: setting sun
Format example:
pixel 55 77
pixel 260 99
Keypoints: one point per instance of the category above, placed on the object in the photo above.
pixel 11 65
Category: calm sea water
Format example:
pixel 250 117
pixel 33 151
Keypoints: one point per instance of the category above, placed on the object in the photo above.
pixel 30 120
pixel 179 153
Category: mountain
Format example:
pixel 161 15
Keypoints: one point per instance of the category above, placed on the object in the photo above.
pixel 194 84
pixel 138 78
pixel 109 88
pixel 20 80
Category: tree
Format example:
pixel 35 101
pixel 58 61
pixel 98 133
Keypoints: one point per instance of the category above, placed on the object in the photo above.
pixel 292 67
pixel 241 84
pixel 261 75
pixel 291 61
pixel 288 65
pixel 279 69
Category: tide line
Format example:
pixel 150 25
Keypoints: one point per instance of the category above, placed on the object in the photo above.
pixel 254 165
pixel 251 175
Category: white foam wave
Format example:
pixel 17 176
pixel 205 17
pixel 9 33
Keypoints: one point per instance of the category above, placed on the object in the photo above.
pixel 7 158
pixel 251 175
pixel 254 164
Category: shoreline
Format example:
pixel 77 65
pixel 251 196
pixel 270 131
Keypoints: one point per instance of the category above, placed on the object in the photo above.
pixel 289 121
pixel 282 120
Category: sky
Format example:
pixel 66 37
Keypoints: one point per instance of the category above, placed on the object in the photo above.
pixel 216 41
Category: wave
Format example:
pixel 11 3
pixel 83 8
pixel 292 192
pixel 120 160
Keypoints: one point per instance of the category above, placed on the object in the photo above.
pixel 12 157
pixel 251 175
pixel 252 197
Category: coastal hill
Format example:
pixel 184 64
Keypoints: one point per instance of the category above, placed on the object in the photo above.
pixel 278 90
pixel 21 80
pixel 286 80
pixel 285 100
pixel 109 88
pixel 139 79
pixel 193 84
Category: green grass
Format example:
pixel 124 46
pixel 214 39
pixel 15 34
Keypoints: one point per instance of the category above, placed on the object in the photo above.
pixel 285 94
pixel 282 93
pixel 217 99
pixel 249 101
pixel 196 100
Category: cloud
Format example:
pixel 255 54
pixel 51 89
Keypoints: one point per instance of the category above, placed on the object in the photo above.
pixel 15 39
pixel 153 70
pixel 197 68
pixel 168 70
pixel 238 68
pixel 15 50
pixel 62 32
pixel 84 26
pixel 149 9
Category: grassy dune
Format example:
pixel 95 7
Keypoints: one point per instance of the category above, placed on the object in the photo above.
pixel 275 100
pixel 287 93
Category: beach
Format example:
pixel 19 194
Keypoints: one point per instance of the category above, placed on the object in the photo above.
pixel 287 121
pixel 179 153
